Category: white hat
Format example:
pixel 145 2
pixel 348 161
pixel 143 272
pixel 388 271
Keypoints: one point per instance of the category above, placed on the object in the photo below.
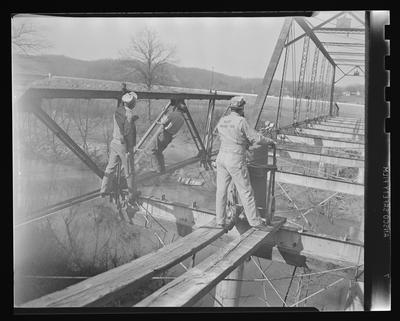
pixel 129 97
pixel 237 102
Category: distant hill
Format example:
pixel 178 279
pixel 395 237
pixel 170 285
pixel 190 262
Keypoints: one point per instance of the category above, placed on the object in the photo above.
pixel 121 70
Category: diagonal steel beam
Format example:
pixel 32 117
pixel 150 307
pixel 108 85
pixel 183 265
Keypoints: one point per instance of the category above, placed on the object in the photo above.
pixel 269 74
pixel 318 26
pixel 346 74
pixel 64 137
pixel 355 17
pixel 314 38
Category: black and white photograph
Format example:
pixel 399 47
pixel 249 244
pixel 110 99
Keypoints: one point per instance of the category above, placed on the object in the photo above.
pixel 192 161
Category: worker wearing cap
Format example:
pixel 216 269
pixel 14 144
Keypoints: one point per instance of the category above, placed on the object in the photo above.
pixel 122 144
pixel 171 123
pixel 236 135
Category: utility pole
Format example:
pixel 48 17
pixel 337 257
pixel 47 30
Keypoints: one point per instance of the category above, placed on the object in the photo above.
pixel 212 78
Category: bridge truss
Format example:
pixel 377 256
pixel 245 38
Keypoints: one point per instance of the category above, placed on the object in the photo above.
pixel 311 136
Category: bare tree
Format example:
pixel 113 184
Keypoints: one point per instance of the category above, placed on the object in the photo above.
pixel 84 122
pixel 150 57
pixel 26 38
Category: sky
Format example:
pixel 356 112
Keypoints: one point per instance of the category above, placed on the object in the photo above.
pixel 236 46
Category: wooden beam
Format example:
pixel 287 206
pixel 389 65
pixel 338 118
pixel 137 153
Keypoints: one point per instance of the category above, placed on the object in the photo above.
pixel 105 287
pixel 320 183
pixel 256 111
pixel 198 281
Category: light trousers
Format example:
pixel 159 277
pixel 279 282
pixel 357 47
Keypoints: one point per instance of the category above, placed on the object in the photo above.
pixel 117 153
pixel 233 167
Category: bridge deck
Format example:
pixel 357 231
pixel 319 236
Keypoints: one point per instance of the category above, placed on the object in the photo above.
pixel 198 281
pixel 105 287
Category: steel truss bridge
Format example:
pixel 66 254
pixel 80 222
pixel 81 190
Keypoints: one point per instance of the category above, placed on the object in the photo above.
pixel 317 133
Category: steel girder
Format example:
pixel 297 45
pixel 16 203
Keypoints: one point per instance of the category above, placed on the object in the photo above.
pixel 300 86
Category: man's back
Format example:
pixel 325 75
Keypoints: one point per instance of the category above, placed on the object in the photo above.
pixel 174 122
pixel 124 126
pixel 231 134
pixel 236 134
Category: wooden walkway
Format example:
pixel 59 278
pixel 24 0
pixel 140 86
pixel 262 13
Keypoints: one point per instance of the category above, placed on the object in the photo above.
pixel 198 281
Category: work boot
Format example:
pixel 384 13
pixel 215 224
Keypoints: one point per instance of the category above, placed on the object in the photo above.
pixel 261 226
pixel 221 225
pixel 227 225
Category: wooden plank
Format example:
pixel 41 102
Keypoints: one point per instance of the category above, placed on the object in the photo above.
pixel 198 281
pixel 105 287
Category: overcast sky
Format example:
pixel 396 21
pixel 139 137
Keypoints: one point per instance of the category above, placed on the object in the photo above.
pixel 233 46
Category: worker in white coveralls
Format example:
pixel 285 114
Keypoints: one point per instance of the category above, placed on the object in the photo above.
pixel 236 136
pixel 122 145
pixel 172 123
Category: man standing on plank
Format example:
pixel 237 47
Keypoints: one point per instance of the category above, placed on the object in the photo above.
pixel 236 135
